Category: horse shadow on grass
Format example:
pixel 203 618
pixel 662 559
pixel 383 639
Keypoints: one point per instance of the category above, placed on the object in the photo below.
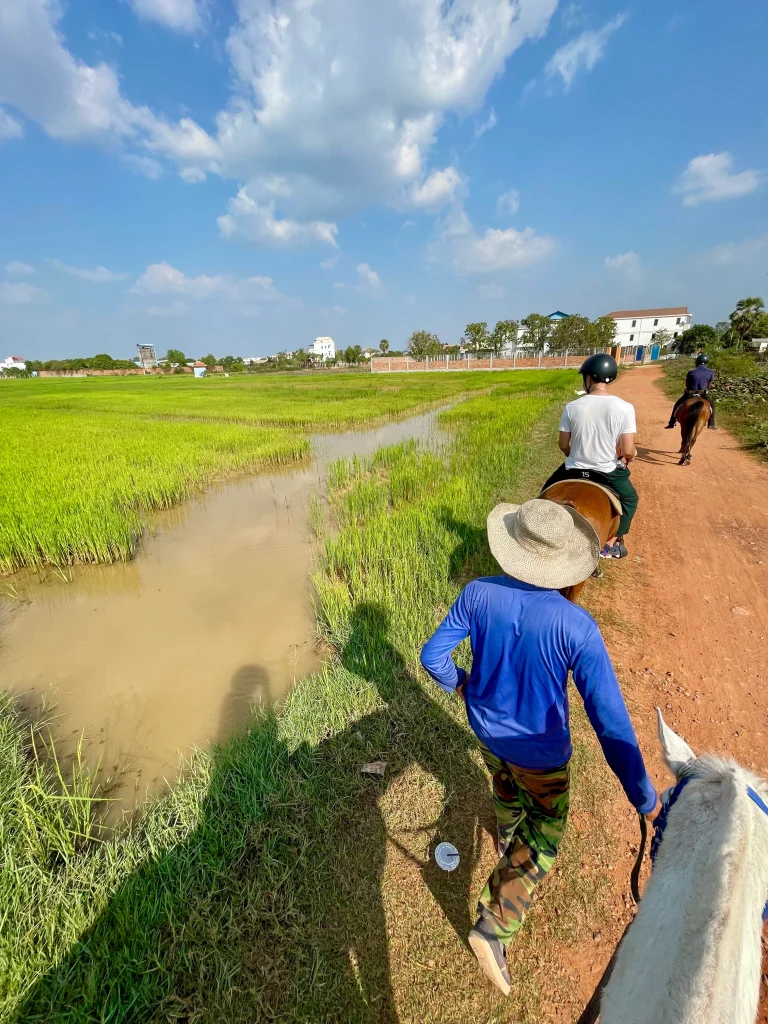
pixel 270 908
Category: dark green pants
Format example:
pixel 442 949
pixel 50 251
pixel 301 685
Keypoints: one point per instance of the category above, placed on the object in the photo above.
pixel 618 479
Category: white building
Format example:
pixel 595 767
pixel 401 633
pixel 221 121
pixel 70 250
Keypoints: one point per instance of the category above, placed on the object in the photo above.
pixel 323 348
pixel 635 327
pixel 13 363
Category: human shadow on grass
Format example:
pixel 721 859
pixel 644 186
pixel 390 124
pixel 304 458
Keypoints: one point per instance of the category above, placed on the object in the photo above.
pixel 270 908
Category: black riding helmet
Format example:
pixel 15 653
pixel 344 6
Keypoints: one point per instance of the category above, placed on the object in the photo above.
pixel 701 358
pixel 600 367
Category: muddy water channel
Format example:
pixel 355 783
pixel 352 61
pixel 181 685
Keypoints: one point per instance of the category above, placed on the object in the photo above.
pixel 150 658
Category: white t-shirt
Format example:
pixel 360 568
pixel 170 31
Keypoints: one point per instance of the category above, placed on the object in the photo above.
pixel 595 423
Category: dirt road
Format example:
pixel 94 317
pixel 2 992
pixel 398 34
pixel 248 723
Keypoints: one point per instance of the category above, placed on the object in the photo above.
pixel 689 606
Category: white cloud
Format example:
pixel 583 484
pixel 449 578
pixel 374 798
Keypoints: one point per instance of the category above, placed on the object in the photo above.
pixel 367 277
pixel 163 279
pixel 409 223
pixel 334 105
pixel 145 165
pixel 18 269
pixel 748 254
pixel 180 15
pixel 627 263
pixel 508 202
pixel 256 222
pixel 21 294
pixel 330 262
pixel 437 190
pixel 339 309
pixel 176 308
pixel 485 126
pixel 711 177
pixel 99 275
pixel 468 252
pixel 490 291
pixel 192 175
pixel 583 52
pixel 9 126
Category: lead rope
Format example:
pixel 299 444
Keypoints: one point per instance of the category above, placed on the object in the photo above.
pixel 592 1009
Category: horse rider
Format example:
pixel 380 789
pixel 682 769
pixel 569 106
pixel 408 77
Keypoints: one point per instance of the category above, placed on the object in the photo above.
pixel 697 382
pixel 525 638
pixel 597 436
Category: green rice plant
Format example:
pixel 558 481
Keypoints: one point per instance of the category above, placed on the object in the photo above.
pixel 276 882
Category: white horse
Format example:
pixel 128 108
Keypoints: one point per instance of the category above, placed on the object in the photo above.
pixel 692 954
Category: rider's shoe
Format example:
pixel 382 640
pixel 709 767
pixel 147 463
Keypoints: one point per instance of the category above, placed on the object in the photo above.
pixel 620 549
pixel 609 551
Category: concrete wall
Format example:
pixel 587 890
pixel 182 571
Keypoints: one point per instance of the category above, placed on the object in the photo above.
pixel 93 373
pixel 386 364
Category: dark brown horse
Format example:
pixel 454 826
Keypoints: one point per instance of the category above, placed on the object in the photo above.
pixel 600 507
pixel 693 415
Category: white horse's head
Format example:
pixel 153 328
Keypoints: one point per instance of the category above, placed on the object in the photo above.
pixel 692 954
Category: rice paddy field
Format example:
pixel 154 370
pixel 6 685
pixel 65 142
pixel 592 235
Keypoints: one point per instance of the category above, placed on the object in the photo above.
pixel 276 882
pixel 84 460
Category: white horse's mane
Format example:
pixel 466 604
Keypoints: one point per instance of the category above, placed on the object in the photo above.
pixel 693 952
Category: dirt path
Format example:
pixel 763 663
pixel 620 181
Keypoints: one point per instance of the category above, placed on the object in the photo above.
pixel 689 606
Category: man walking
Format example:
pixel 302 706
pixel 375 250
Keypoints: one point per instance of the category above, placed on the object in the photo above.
pixel 697 381
pixel 597 436
pixel 525 639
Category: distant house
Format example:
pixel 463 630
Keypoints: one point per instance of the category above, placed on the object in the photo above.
pixel 369 353
pixel 322 348
pixel 13 363
pixel 254 360
pixel 638 327
pixel 759 345
pixel 200 369
pixel 522 341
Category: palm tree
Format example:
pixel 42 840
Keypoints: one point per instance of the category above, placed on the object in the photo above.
pixel 745 318
pixel 384 345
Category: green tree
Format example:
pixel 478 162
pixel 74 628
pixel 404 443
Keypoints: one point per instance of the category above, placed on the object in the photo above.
pixel 175 355
pixel 572 334
pixel 476 337
pixel 384 346
pixel 697 336
pixel 538 331
pixel 101 362
pixel 745 318
pixel 422 344
pixel 662 338
pixel 721 327
pixel 209 360
pixel 504 335
pixel 353 354
pixel 603 332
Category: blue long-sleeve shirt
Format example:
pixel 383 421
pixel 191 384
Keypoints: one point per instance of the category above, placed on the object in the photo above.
pixel 525 640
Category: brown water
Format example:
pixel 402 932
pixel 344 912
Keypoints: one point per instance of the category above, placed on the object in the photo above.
pixel 152 657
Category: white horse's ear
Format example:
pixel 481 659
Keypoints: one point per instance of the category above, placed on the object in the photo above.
pixel 676 751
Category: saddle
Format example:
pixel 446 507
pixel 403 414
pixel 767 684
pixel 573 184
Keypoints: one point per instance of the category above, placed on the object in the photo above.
pixel 595 479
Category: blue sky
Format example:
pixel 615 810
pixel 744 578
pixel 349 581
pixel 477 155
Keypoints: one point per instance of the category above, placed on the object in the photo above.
pixel 241 176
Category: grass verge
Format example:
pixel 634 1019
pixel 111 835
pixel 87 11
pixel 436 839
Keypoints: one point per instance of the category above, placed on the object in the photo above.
pixel 276 882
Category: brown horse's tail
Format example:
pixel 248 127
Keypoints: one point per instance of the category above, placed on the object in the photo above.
pixel 695 414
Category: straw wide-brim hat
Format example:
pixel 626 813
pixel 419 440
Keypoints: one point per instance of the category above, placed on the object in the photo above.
pixel 543 543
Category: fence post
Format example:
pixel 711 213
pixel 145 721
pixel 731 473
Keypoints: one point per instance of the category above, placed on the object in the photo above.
pixel 539 358
pixel 446 362
pixel 514 356
pixel 406 362
pixel 491 366
pixel 566 358
pixel 467 360
pixel 426 363
pixel 389 364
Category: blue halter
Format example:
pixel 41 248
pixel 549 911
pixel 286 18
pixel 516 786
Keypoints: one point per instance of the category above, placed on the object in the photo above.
pixel 660 823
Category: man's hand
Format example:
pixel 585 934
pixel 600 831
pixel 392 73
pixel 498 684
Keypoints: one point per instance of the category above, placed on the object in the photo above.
pixel 460 690
pixel 656 810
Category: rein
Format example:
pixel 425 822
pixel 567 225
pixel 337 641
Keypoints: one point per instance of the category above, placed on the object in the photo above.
pixel 591 1011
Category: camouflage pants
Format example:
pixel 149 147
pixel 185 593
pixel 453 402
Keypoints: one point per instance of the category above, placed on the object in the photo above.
pixel 531 812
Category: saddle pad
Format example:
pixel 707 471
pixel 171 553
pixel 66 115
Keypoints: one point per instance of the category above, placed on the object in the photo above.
pixel 615 503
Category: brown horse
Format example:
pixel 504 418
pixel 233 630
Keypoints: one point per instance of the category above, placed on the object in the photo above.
pixel 600 507
pixel 693 415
